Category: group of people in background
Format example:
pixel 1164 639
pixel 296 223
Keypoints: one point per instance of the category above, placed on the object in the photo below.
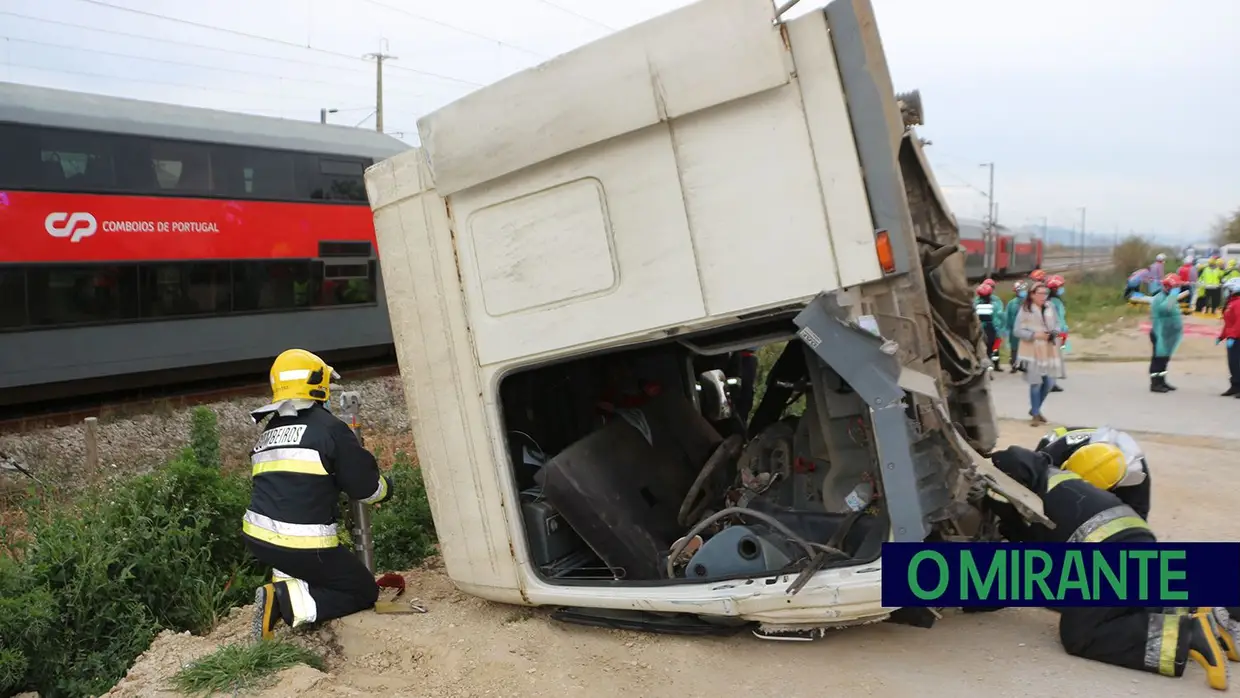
pixel 1034 322
pixel 1206 287
pixel 1202 287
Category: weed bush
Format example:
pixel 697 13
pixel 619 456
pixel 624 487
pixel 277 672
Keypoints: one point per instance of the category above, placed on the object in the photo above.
pixel 204 437
pixel 92 581
pixel 403 531
pixel 242 667
pixel 99 577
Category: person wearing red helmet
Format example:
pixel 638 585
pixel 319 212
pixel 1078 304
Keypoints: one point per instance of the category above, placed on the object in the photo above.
pixel 1166 331
pixel 989 311
pixel 1038 276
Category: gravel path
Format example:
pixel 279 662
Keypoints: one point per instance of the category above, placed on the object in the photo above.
pixel 141 443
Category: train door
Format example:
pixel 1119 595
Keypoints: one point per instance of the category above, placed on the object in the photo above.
pixel 1002 252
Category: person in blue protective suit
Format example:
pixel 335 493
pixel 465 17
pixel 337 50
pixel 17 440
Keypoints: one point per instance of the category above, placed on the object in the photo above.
pixel 1056 286
pixel 1136 282
pixel 1166 331
pixel 990 312
pixel 1009 316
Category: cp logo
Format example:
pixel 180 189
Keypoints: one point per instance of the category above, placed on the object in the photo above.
pixel 73 226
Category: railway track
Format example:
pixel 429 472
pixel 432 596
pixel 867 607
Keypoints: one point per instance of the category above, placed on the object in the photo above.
pixel 72 412
pixel 66 413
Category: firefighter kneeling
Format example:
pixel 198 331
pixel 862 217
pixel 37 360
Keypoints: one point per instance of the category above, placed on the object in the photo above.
pixel 302 461
pixel 1146 639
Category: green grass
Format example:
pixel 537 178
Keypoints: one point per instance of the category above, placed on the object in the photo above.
pixel 1095 304
pixel 241 667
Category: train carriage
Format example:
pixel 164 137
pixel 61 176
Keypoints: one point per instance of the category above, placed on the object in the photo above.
pixel 1003 254
pixel 145 243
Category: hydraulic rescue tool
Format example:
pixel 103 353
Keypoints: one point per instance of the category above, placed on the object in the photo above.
pixel 359 522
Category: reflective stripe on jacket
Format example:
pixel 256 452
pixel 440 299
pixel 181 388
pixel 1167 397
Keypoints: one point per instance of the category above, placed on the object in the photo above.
pixel 300 465
pixel 1211 277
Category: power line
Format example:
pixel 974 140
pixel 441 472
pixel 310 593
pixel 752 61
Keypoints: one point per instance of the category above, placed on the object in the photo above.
pixel 179 63
pixel 169 83
pixel 147 81
pixel 577 14
pixel 186 44
pixel 259 37
pixel 451 27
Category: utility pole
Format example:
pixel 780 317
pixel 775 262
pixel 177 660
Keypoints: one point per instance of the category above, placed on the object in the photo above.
pixel 1082 260
pixel 990 195
pixel 1043 230
pixel 379 58
pixel 990 215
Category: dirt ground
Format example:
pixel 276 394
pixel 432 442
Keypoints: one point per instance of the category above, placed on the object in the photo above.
pixel 1130 341
pixel 464 646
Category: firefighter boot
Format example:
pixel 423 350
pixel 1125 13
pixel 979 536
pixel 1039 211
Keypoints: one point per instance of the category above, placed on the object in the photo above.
pixel 1203 648
pixel 265 612
pixel 270 600
pixel 1158 384
pixel 1227 628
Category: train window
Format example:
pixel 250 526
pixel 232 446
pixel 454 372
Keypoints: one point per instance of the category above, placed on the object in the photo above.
pixel 332 179
pixel 345 248
pixel 185 289
pixel 346 271
pixel 274 285
pixel 63 295
pixel 19 157
pixel 13 291
pixel 254 173
pixel 76 160
pixel 181 166
pixel 347 291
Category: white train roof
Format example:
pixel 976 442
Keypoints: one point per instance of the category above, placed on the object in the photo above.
pixel 42 106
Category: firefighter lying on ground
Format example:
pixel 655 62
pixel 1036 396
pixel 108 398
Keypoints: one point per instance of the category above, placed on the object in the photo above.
pixel 1124 472
pixel 302 461
pixel 1145 639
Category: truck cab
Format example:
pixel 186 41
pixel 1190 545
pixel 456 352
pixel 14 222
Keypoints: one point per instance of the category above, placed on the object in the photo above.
pixel 582 259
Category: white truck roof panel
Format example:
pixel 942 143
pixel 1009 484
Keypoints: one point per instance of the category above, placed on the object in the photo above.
pixel 677 174
pixel 685 61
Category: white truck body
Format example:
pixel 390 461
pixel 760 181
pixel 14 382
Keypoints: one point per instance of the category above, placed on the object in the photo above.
pixel 672 177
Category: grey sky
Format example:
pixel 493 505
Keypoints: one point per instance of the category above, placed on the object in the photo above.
pixel 1124 107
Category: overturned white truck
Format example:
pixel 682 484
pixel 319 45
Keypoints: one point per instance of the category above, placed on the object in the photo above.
pixel 579 261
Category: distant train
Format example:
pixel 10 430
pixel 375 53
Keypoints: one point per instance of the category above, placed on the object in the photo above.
pixel 1005 254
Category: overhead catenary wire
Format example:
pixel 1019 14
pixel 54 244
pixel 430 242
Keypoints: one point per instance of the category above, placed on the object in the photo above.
pixel 358 69
pixel 169 83
pixel 576 14
pixel 452 27
pixel 188 64
pixel 270 39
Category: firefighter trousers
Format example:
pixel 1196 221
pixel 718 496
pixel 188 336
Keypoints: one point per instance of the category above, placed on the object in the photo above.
pixel 991 335
pixel 1135 638
pixel 318 584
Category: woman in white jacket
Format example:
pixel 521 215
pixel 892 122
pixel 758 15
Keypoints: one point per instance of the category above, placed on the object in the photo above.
pixel 1037 328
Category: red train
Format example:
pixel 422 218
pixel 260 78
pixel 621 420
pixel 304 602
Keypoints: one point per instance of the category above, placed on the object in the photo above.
pixel 146 244
pixel 1005 254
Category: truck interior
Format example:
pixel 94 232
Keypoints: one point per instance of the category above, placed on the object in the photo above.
pixel 647 466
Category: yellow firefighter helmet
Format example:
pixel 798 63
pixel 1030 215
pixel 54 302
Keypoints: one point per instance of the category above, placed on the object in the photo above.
pixel 1102 465
pixel 297 374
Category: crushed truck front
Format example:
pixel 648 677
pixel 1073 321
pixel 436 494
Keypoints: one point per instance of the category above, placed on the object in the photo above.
pixel 653 202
